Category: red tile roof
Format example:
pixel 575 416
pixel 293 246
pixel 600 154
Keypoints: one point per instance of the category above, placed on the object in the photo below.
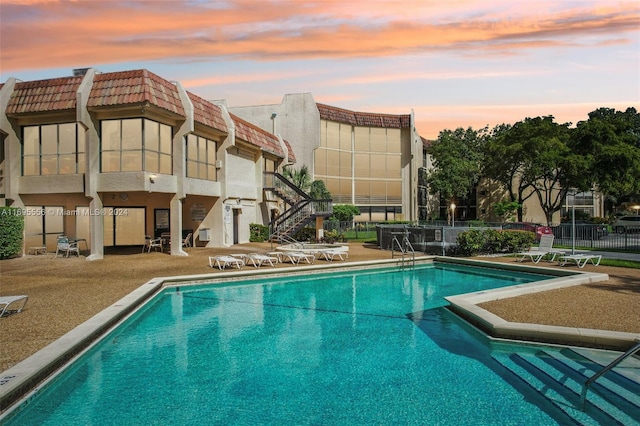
pixel 256 136
pixel 292 156
pixel 134 87
pixel 207 113
pixel 426 143
pixel 56 94
pixel 363 119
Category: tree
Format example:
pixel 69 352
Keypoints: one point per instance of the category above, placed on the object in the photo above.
pixel 344 212
pixel 506 209
pixel 318 191
pixel 457 159
pixel 505 154
pixel 550 167
pixel 300 178
pixel 610 142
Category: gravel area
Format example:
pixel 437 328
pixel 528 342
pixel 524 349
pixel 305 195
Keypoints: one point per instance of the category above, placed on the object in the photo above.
pixel 63 293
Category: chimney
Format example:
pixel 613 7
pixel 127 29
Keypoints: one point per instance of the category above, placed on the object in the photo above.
pixel 79 72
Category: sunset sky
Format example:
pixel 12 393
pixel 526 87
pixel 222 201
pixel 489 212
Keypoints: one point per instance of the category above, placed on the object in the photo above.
pixel 456 63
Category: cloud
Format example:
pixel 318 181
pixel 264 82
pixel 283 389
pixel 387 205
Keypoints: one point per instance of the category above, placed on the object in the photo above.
pixel 41 34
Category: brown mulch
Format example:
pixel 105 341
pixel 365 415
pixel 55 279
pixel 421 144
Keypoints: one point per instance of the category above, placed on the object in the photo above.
pixel 63 293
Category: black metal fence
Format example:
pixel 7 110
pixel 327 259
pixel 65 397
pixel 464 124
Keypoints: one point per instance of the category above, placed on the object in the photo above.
pixel 437 237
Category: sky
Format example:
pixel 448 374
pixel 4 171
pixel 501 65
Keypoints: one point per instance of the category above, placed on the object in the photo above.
pixel 454 63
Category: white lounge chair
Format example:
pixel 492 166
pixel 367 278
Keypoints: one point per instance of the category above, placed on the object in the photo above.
pixel 258 259
pixel 7 301
pixel 296 257
pixel 331 254
pixel 544 248
pixel 222 262
pixel 580 259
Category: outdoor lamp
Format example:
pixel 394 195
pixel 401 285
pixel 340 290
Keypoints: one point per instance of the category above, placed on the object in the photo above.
pixel 453 214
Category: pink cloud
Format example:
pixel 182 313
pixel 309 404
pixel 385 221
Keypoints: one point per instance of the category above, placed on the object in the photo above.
pixel 90 33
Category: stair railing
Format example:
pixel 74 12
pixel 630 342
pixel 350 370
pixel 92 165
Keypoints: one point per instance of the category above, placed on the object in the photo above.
pixel 611 365
pixel 302 207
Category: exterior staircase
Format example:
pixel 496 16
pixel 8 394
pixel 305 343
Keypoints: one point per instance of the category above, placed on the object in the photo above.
pixel 558 376
pixel 301 208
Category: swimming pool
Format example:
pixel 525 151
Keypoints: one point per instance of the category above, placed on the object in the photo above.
pixel 368 347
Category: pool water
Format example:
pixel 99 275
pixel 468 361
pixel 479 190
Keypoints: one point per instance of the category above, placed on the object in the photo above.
pixel 368 347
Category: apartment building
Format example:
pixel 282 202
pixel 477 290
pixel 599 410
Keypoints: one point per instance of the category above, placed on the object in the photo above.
pixel 110 158
pixel 370 160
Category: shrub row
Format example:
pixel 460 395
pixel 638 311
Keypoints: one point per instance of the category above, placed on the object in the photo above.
pixel 12 226
pixel 487 241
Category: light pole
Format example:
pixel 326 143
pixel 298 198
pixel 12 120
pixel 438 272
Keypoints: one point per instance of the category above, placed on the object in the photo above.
pixel 453 215
pixel 573 225
pixel 636 208
pixel 573 193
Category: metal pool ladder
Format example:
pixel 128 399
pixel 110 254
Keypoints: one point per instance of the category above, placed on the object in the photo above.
pixel 404 247
pixel 610 366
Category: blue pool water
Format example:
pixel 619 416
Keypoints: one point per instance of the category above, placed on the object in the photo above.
pixel 370 347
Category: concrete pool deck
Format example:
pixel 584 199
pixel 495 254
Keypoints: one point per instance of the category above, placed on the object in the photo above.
pixel 467 306
pixel 21 379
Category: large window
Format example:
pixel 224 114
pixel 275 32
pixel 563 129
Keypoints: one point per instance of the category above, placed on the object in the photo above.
pixel 201 158
pixel 136 144
pixel 53 149
pixel 43 225
pixel 360 165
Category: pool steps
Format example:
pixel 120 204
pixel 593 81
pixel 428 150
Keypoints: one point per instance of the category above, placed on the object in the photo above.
pixel 558 376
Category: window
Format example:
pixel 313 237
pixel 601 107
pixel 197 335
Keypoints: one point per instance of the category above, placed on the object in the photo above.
pixel 201 158
pixel 53 149
pixel 136 144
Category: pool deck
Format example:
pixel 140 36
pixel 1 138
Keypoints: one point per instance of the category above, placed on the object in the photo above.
pixel 23 380
pixel 466 306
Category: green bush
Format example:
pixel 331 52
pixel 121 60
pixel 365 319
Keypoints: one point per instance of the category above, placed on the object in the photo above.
pixel 476 241
pixel 258 233
pixel 12 225
pixel 305 234
pixel 471 242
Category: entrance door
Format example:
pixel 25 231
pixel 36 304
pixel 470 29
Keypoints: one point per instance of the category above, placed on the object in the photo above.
pixel 236 226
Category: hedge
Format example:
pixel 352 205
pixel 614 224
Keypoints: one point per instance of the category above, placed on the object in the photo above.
pixel 488 241
pixel 11 229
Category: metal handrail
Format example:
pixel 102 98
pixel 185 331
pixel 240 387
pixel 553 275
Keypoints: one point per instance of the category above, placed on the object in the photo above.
pixel 404 247
pixel 611 365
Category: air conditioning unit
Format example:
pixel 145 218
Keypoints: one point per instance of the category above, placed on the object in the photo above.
pixel 204 234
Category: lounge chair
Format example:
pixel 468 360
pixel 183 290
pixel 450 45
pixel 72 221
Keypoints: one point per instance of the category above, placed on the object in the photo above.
pixel 296 257
pixel 7 301
pixel 221 262
pixel 331 254
pixel 64 246
pixel 580 259
pixel 258 259
pixel 537 253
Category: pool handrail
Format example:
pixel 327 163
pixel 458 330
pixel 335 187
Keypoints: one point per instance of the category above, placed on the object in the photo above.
pixel 608 367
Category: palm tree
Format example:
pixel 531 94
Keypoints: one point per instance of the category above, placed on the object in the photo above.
pixel 300 178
